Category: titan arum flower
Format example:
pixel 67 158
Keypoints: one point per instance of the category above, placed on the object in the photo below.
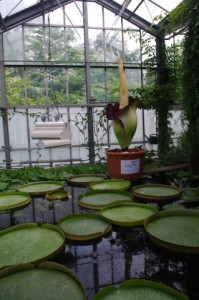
pixel 123 114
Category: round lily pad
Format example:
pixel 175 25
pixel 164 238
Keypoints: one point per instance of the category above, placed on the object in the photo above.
pixel 156 192
pixel 191 194
pixel 99 199
pixel 85 179
pixel 40 187
pixel 127 214
pixel 29 243
pixel 139 289
pixel 176 230
pixel 111 184
pixel 82 227
pixel 13 200
pixel 48 281
pixel 57 195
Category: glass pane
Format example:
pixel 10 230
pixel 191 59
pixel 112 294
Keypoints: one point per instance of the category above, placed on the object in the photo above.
pixel 114 48
pixel 110 19
pixel 148 49
pixel 113 85
pixel 34 44
pixel 132 46
pixel 133 77
pixel 151 12
pixel 56 43
pixel 13 45
pixel 128 25
pixel 76 86
pixel 14 86
pixel 75 45
pixel 168 5
pixel 56 17
pixel 14 6
pixel 36 86
pixel 94 19
pixel 96 43
pixel 133 5
pixel 98 84
pixel 73 14
pixel 38 21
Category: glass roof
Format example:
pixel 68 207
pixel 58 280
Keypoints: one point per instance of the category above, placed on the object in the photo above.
pixel 7 7
pixel 146 9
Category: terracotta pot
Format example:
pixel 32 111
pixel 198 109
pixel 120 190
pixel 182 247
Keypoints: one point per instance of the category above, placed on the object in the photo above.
pixel 125 164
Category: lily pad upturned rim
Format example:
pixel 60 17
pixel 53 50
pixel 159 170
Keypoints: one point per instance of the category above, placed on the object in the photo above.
pixel 126 184
pixel 25 202
pixel 35 225
pixel 47 265
pixel 85 237
pixel 59 184
pixel 131 205
pixel 174 247
pixel 63 195
pixel 96 177
pixel 101 192
pixel 140 283
pixel 156 198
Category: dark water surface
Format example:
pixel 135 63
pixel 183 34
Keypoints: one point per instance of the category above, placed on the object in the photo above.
pixel 126 253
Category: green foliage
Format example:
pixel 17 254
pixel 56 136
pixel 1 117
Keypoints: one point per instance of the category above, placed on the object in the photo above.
pixel 30 174
pixel 162 85
pixel 191 81
pixel 175 155
pixel 179 17
pixel 154 92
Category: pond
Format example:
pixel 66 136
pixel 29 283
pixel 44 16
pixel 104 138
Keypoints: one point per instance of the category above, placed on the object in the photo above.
pixel 124 253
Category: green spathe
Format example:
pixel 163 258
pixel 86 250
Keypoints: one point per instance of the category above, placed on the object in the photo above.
pixel 125 126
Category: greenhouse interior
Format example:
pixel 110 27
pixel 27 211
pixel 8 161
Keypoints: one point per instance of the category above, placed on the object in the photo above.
pixel 99 143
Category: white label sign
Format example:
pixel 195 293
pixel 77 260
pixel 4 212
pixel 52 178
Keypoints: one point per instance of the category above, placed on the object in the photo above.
pixel 130 166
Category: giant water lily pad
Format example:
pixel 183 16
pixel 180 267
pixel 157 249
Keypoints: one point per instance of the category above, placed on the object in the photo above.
pixel 111 184
pixel 156 192
pixel 13 200
pixel 176 230
pixel 85 179
pixel 139 289
pixel 40 187
pixel 48 281
pixel 82 227
pixel 127 214
pixel 99 199
pixel 29 243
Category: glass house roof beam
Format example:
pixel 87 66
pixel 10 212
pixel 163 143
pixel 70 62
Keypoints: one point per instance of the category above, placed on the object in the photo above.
pixel 30 13
pixel 128 15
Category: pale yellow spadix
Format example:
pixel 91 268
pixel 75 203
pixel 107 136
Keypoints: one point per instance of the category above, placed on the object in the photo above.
pixel 124 97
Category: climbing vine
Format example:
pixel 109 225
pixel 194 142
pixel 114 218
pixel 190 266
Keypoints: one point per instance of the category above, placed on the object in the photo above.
pixel 191 82
pixel 162 84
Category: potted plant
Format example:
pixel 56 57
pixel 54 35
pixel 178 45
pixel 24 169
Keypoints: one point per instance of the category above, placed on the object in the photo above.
pixel 124 163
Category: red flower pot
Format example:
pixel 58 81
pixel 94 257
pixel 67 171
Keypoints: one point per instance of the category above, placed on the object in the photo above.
pixel 125 164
